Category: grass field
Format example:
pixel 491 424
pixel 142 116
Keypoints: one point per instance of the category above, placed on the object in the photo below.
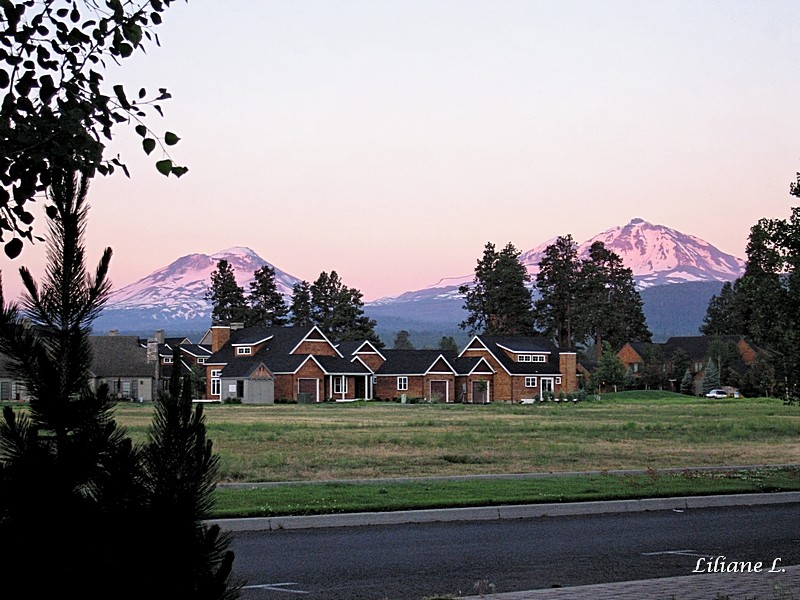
pixel 370 440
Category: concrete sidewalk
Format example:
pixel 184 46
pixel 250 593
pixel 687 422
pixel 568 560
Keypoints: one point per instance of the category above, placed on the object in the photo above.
pixel 709 586
pixel 490 513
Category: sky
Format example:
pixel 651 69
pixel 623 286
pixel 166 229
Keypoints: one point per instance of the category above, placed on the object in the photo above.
pixel 389 141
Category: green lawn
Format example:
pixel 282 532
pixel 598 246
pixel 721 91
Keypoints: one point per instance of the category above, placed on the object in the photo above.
pixel 370 440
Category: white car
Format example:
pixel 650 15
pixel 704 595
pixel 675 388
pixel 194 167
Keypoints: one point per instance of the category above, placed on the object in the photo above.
pixel 717 394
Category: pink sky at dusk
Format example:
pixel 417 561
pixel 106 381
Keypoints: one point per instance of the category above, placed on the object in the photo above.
pixel 390 140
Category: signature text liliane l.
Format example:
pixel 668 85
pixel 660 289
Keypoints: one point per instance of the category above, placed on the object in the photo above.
pixel 719 564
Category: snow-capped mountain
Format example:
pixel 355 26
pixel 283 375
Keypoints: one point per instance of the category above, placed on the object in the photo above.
pixel 174 296
pixel 178 290
pixel 657 255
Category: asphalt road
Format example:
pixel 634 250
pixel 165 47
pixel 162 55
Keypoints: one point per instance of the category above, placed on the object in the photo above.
pixel 422 560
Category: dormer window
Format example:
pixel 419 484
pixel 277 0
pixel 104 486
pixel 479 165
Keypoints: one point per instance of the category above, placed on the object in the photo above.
pixel 244 351
pixel 530 358
pixel 167 360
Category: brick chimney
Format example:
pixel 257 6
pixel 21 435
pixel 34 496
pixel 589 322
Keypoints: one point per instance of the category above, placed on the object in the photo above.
pixel 568 365
pixel 159 336
pixel 220 334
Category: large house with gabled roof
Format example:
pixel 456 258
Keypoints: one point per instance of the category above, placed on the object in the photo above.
pixel 262 365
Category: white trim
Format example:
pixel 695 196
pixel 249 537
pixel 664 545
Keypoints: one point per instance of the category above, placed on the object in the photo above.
pixel 397 383
pixel 467 347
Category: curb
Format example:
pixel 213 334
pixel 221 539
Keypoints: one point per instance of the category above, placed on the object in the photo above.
pixel 496 513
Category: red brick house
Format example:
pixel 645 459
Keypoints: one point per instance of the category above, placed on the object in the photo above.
pixel 259 364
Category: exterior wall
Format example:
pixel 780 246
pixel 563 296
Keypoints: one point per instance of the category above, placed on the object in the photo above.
pixel 628 356
pixel 387 387
pixel 501 382
pixel 219 335
pixel 746 351
pixel 568 365
pixel 320 348
pixel 141 388
pixel 373 361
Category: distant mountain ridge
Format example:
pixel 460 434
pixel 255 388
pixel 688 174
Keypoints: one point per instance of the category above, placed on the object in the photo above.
pixel 173 297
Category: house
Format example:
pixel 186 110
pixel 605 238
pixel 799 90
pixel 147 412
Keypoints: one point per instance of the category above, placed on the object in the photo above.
pixel 10 387
pixel 262 364
pixel 523 368
pixel 130 369
pixel 697 348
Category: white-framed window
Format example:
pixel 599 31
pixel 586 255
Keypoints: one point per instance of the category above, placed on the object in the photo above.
pixel 201 361
pixel 558 380
pixel 530 382
pixel 216 372
pixel 216 387
pixel 243 350
pixel 530 358
pixel 340 385
pixel 402 383
pixel 167 360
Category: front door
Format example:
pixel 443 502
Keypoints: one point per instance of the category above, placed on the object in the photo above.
pixel 547 385
pixel 310 387
pixel 440 391
pixel 480 392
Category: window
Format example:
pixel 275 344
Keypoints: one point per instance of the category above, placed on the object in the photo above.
pixel 244 350
pixel 530 382
pixel 167 360
pixel 530 358
pixel 216 372
pixel 558 380
pixel 201 361
pixel 402 383
pixel 698 366
pixel 340 385
pixel 216 387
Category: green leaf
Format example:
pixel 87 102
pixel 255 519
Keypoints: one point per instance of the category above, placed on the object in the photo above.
pixel 178 171
pixel 149 144
pixel 170 139
pixel 164 166
pixel 120 92
pixel 13 248
pixel 141 130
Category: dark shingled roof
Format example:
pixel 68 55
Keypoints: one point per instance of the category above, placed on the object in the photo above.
pixel 412 362
pixel 275 353
pixel 120 356
pixel 523 345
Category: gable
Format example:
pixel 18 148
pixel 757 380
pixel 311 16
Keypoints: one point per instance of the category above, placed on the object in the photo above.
pixel 440 366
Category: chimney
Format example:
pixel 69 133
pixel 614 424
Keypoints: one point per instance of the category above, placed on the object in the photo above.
pixel 113 332
pixel 159 336
pixel 237 326
pixel 220 334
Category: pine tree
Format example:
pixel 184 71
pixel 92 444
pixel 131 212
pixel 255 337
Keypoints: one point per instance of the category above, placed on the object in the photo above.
pixel 711 377
pixel 78 505
pixel 300 306
pixel 609 307
pixel 610 371
pixel 556 309
pixel 448 344
pixel 498 301
pixel 226 296
pixel 402 341
pixel 339 310
pixel 267 304
pixel 687 383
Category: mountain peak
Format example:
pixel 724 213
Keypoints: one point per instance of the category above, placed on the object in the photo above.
pixel 235 251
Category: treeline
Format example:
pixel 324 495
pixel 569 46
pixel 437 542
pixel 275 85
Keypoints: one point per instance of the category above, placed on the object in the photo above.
pixel 579 301
pixel 764 303
pixel 338 310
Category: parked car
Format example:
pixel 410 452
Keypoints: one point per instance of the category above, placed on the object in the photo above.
pixel 717 394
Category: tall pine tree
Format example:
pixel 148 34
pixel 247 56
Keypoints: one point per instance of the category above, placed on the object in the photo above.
pixel 498 300
pixel 556 309
pixel 267 305
pixel 229 304
pixel 80 504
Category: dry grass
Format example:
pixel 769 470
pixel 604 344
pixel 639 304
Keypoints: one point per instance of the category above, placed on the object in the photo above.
pixel 373 440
